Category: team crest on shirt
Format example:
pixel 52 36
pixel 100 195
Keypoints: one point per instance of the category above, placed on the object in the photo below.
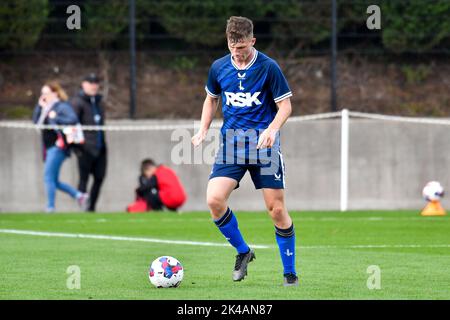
pixel 241 77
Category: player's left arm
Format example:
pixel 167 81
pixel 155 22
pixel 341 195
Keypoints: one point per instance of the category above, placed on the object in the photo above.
pixel 267 138
pixel 281 93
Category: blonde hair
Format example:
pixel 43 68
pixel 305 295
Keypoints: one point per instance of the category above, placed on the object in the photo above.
pixel 238 29
pixel 56 87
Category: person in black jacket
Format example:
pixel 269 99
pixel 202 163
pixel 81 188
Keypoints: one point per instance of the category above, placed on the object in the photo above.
pixel 92 156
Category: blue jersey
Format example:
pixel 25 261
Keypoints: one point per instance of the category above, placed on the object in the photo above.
pixel 249 95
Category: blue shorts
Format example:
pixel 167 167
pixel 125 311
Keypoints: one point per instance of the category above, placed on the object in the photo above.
pixel 267 174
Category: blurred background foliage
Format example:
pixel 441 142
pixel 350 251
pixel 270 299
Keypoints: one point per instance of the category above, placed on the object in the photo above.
pixel 21 23
pixel 401 69
pixel 407 26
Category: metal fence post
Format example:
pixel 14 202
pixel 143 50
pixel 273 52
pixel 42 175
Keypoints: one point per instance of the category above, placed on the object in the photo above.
pixel 345 126
pixel 132 27
pixel 333 97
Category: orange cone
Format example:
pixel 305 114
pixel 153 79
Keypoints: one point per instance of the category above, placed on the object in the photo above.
pixel 433 208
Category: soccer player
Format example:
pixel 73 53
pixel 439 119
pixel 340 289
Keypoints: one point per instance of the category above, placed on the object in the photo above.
pixel 255 105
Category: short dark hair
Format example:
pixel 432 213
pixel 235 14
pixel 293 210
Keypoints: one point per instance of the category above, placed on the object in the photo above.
pixel 239 28
pixel 146 163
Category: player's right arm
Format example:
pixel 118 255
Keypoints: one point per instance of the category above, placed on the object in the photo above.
pixel 210 105
pixel 209 110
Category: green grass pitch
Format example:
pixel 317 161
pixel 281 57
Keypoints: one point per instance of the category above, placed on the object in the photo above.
pixel 334 251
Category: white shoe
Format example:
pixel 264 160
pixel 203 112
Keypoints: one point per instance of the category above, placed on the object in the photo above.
pixel 83 201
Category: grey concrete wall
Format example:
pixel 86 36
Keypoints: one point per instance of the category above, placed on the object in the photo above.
pixel 389 164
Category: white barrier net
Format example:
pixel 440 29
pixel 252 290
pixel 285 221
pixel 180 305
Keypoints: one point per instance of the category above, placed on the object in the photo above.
pixel 353 161
pixel 217 123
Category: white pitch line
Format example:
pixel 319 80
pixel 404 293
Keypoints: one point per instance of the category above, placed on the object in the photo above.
pixel 209 244
pixel 120 238
pixel 377 246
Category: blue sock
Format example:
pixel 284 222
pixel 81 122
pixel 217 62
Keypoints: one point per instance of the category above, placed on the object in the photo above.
pixel 286 244
pixel 228 225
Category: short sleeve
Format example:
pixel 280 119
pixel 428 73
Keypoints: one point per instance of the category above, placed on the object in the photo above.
pixel 212 86
pixel 278 84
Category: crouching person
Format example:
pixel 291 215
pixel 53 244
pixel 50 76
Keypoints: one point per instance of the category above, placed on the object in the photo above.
pixel 159 188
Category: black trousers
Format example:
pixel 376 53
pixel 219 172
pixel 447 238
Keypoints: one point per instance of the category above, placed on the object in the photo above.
pixel 92 164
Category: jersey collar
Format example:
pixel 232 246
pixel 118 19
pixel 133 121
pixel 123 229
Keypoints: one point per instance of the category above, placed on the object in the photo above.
pixel 255 55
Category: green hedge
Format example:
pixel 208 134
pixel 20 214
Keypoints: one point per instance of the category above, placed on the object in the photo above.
pixel 414 25
pixel 102 22
pixel 21 23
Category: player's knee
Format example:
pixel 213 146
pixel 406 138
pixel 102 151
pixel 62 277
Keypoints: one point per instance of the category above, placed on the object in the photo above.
pixel 277 212
pixel 216 205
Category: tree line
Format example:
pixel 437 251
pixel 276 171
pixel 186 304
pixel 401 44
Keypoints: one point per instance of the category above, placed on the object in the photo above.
pixel 406 25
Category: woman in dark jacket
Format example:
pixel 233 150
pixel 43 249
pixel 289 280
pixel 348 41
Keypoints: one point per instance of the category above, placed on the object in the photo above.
pixel 53 109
